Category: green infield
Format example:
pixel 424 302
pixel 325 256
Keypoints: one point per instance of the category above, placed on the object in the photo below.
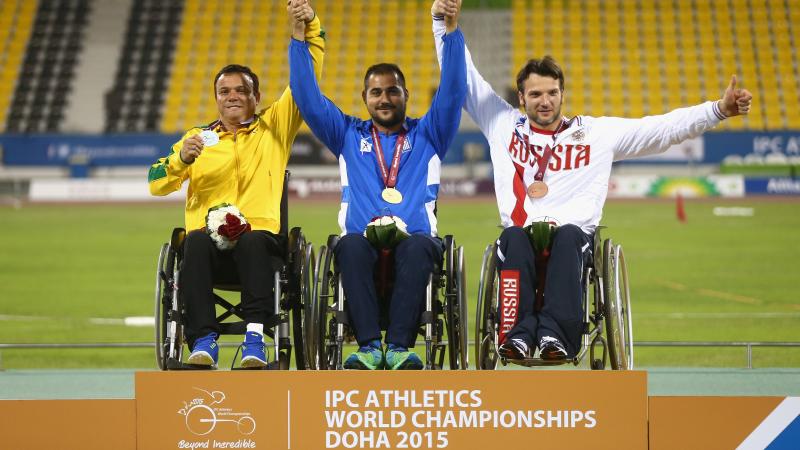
pixel 73 273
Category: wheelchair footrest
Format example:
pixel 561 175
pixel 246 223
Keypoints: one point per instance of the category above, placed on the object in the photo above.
pixel 533 362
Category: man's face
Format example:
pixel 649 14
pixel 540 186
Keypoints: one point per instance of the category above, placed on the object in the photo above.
pixel 542 99
pixel 236 100
pixel 386 99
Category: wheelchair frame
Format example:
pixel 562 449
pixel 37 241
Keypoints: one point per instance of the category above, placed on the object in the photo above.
pixel 293 287
pixel 607 321
pixel 445 293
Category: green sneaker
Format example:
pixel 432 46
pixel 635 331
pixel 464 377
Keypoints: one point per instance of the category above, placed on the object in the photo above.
pixel 399 358
pixel 366 358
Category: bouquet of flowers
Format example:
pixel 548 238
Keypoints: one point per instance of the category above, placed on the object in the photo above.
pixel 541 236
pixel 386 231
pixel 225 223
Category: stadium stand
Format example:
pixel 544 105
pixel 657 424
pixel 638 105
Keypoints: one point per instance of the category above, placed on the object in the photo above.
pixel 45 78
pixel 255 34
pixel 134 102
pixel 622 58
pixel 16 20
pixel 634 58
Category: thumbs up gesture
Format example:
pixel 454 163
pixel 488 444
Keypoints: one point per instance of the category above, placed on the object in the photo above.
pixel 736 101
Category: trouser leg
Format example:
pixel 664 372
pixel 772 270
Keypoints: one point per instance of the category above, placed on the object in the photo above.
pixel 414 259
pixel 200 257
pixel 562 313
pixel 257 256
pixel 516 267
pixel 356 258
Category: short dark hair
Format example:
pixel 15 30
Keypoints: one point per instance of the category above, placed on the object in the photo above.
pixel 236 68
pixel 385 69
pixel 545 67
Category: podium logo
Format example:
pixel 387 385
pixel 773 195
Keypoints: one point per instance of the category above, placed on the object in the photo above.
pixel 203 414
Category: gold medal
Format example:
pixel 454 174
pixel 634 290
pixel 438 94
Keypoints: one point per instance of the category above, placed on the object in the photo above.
pixel 392 195
pixel 537 189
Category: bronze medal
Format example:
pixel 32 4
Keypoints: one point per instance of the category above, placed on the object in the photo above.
pixel 392 195
pixel 537 189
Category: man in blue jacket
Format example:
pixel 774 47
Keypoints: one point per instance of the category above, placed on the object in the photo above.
pixel 390 166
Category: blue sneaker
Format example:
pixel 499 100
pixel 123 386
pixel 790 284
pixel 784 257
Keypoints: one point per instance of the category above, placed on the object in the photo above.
pixel 206 351
pixel 368 357
pixel 399 358
pixel 253 350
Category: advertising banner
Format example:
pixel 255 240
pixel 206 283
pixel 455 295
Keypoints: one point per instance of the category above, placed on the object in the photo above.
pixel 748 146
pixel 350 409
pixel 641 186
pixel 772 186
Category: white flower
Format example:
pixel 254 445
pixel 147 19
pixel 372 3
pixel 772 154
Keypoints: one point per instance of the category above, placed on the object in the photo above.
pixel 386 231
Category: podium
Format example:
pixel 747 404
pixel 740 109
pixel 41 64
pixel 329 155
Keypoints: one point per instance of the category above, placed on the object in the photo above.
pixel 349 409
pixel 520 409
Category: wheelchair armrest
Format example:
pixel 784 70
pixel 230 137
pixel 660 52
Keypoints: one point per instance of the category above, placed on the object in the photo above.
pixel 333 239
pixel 176 241
pixel 597 249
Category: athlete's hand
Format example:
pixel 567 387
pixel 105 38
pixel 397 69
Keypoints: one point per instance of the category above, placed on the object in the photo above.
pixel 300 10
pixel 301 13
pixel 736 101
pixel 451 16
pixel 445 8
pixel 192 147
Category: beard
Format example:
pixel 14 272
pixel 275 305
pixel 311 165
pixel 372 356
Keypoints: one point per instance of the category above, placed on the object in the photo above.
pixel 396 118
pixel 544 123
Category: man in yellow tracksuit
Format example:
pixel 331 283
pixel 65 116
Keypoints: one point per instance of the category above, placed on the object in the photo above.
pixel 239 159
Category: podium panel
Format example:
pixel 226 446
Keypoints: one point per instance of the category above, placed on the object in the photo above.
pixel 68 424
pixel 707 423
pixel 350 409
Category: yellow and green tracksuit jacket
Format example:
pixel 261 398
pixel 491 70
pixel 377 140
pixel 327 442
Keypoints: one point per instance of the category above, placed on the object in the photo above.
pixel 245 169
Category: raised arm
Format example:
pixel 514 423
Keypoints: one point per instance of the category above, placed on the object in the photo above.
pixel 283 116
pixel 444 116
pixel 484 106
pixel 323 117
pixel 655 134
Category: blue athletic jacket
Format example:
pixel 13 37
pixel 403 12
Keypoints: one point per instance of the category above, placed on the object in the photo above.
pixel 349 138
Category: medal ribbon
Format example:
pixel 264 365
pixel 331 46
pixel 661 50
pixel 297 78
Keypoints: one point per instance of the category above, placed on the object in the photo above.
pixel 389 175
pixel 548 152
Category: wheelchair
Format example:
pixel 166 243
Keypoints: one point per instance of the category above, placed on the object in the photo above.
pixel 293 288
pixel 327 328
pixel 607 327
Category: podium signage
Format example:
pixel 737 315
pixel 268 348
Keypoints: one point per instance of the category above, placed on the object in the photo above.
pixel 343 410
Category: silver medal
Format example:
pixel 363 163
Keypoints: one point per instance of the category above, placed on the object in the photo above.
pixel 209 138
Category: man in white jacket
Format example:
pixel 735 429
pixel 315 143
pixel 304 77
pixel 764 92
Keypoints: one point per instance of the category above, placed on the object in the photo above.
pixel 551 168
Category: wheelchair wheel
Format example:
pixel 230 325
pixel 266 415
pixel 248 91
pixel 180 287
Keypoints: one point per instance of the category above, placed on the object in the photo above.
pixel 168 329
pixel 301 260
pixel 486 314
pixel 161 324
pixel 325 300
pixel 311 316
pixel 463 314
pixel 303 310
pixel 616 295
pixel 455 305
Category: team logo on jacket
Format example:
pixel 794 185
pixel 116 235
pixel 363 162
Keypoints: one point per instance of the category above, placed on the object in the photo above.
pixel 565 156
pixel 578 135
pixel 366 146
